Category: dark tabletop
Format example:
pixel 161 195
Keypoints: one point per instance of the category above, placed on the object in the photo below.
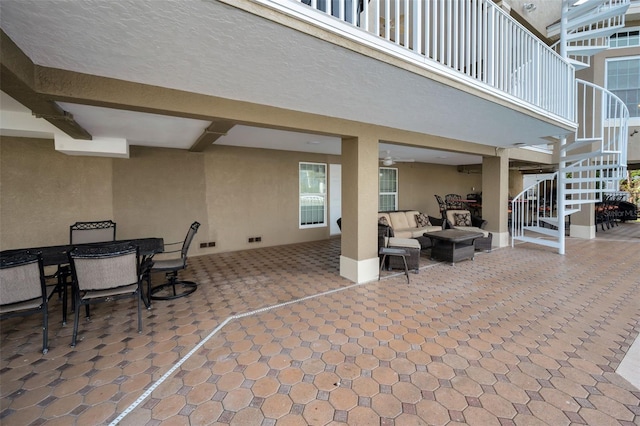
pixel 57 255
pixel 454 235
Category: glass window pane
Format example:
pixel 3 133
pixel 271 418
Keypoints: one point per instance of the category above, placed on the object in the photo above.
pixel 623 79
pixel 388 189
pixel 313 181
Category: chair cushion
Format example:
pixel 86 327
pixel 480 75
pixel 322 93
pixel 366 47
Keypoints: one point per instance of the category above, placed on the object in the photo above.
pixel 168 264
pixel 418 232
pixel 399 220
pixel 403 233
pixel 403 242
pixel 21 306
pixel 411 218
pixel 422 220
pixel 95 294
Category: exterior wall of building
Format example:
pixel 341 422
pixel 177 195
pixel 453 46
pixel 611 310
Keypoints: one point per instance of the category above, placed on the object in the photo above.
pixel 597 73
pixel 43 192
pixel 418 182
pixel 235 193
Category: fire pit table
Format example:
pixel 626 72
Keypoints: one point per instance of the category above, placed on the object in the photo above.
pixel 453 245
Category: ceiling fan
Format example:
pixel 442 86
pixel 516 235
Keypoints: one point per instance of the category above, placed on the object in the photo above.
pixel 388 160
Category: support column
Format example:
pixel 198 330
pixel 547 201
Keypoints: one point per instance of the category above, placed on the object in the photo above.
pixel 495 196
pixel 359 252
pixel 583 223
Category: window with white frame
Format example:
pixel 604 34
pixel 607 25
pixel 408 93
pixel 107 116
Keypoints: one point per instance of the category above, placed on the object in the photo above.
pixel 388 188
pixel 628 38
pixel 623 79
pixel 313 195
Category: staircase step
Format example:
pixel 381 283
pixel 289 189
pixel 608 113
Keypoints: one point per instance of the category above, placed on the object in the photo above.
pixel 584 8
pixel 592 34
pixel 578 65
pixel 569 211
pixel 585 180
pixel 597 16
pixel 587 13
pixel 572 168
pixel 553 221
pixel 586 50
pixel 548 243
pixel 582 156
pixel 581 201
pixel 569 191
pixel 542 230
pixel 581 143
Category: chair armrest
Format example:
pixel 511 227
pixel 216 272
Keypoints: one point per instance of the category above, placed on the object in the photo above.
pixel 436 221
pixel 172 244
pixel 478 222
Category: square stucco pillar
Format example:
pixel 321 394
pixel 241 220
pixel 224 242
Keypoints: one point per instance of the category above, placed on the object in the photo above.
pixel 495 197
pixel 583 223
pixel 359 251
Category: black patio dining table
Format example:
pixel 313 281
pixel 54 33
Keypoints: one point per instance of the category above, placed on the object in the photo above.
pixel 58 255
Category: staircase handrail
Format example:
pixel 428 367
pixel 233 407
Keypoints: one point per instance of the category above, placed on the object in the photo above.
pixel 526 212
pixel 610 125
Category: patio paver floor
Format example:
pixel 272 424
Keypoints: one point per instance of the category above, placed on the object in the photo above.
pixel 518 336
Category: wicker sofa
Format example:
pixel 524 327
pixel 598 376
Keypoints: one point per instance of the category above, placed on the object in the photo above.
pixel 405 225
pixel 404 232
pixel 463 219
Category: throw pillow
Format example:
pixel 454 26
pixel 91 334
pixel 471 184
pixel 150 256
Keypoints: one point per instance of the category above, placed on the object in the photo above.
pixel 383 221
pixel 422 220
pixel 462 219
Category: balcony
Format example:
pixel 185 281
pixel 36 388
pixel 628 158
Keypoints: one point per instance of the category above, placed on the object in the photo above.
pixel 473 46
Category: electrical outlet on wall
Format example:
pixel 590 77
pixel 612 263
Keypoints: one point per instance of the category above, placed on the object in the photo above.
pixel 203 245
pixel 251 239
pixel 258 239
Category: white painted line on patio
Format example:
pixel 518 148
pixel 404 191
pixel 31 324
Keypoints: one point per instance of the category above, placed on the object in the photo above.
pixel 166 375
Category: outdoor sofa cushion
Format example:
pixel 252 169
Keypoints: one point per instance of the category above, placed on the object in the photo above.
pixel 404 224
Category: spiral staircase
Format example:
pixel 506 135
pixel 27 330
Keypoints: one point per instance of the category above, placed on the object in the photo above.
pixel 593 160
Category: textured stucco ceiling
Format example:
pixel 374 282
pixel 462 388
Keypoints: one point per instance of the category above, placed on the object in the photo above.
pixel 211 48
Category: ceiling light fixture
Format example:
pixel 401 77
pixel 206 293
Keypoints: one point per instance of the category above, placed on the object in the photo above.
pixel 529 7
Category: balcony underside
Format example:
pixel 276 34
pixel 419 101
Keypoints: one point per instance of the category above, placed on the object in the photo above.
pixel 215 49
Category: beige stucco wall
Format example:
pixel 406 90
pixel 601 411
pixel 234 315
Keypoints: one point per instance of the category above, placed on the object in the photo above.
pixel 254 193
pixel 42 192
pixel 418 182
pixel 159 192
pixel 235 193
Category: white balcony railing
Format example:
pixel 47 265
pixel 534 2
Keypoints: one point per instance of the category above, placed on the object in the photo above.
pixel 473 37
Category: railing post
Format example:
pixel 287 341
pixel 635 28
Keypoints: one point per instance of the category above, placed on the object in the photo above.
pixel 563 140
pixel 417 27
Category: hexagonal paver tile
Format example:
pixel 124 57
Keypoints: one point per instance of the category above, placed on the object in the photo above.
pixel 386 405
pixel 276 406
pixel 318 412
pixel 343 399
pixel 451 399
